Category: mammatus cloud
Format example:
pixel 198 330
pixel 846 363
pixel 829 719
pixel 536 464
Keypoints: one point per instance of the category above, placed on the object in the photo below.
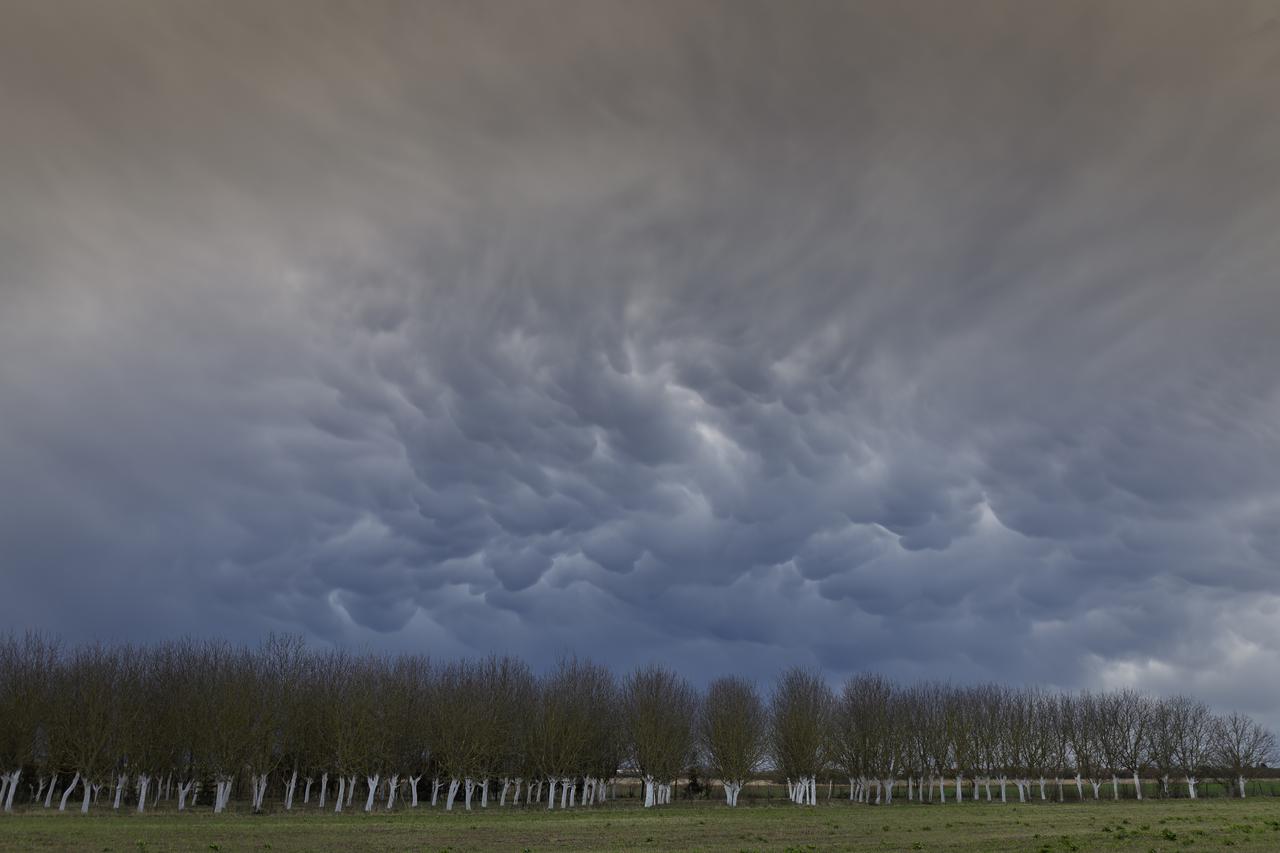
pixel 736 335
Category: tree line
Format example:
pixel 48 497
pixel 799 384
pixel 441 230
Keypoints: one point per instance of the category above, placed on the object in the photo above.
pixel 202 721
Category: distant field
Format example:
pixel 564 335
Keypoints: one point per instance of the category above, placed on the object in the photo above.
pixel 1204 825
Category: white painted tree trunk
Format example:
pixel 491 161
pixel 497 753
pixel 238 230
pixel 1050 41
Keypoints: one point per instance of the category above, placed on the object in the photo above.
pixel 1115 787
pixel 48 796
pixel 1079 789
pixel 1191 786
pixel 14 778
pixel 372 782
pixel 183 789
pixel 1240 782
pixel 324 787
pixel 1097 789
pixel 484 793
pixel 959 789
pixel 391 791
pixel 225 797
pixel 1042 796
pixel 1003 782
pixel 502 795
pixel 122 781
pixel 649 793
pixel 351 789
pixel 413 790
pixel 1137 785
pixel 338 799
pixel 452 795
pixel 144 782
pixel 289 790
pixel 551 792
pixel 516 800
pixel 259 791
pixel 571 788
pixel 88 794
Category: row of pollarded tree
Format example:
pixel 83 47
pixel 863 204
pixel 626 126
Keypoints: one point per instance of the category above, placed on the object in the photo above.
pixel 198 721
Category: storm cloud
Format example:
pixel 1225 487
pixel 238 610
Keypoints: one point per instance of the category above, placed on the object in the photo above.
pixel 939 339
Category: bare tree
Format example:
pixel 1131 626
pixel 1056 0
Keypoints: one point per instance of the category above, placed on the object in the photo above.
pixel 1240 747
pixel 26 668
pixel 1085 737
pixel 658 710
pixel 1056 720
pixel 802 708
pixel 1132 714
pixel 1192 728
pixel 732 731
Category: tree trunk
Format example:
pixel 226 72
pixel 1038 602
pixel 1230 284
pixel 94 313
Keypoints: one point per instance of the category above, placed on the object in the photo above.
pixel 144 782
pixel 342 789
pixel 452 795
pixel 372 782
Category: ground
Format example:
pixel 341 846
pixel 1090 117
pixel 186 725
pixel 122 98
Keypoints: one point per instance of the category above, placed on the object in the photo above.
pixel 1180 825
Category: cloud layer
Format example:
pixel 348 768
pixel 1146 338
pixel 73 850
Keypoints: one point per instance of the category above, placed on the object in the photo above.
pixel 729 335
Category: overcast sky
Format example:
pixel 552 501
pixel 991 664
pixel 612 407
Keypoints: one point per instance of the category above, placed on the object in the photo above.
pixel 941 339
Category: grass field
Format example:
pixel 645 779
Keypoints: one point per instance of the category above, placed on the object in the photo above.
pixel 1205 825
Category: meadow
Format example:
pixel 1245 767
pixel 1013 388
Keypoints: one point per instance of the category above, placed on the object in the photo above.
pixel 698 825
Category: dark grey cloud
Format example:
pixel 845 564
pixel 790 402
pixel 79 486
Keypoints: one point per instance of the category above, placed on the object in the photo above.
pixel 935 340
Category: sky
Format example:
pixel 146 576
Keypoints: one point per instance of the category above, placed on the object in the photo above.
pixel 936 339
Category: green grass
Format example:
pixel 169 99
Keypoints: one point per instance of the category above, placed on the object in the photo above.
pixel 1213 825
